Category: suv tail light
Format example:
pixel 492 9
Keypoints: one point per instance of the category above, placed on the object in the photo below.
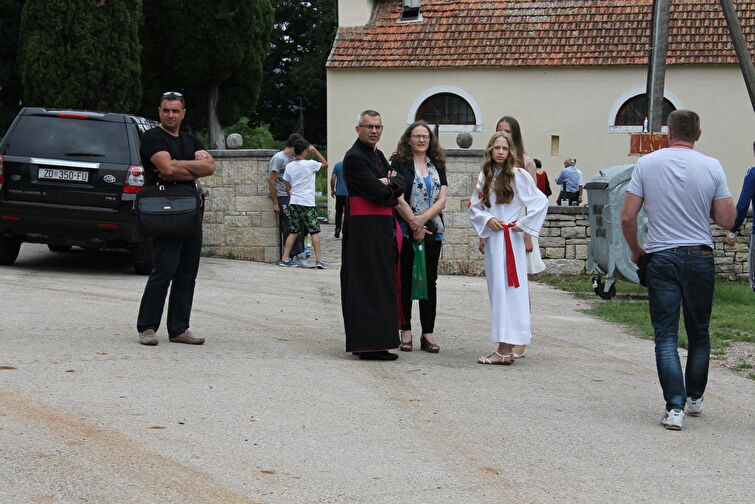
pixel 134 179
pixel 2 169
pixel 68 115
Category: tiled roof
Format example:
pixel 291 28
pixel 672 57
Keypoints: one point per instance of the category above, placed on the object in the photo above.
pixel 462 33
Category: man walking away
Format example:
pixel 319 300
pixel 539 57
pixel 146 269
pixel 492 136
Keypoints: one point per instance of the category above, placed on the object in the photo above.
pixel 339 192
pixel 680 189
pixel 172 156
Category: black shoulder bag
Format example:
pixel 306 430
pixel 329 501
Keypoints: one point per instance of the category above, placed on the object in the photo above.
pixel 168 211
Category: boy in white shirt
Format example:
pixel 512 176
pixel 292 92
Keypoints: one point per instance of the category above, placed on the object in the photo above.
pixel 300 184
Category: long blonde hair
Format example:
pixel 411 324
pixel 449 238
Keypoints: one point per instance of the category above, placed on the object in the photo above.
pixel 503 183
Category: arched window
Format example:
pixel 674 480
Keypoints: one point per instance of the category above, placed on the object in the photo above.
pixel 634 110
pixel 445 108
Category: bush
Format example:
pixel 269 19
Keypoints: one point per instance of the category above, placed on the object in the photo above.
pixel 254 138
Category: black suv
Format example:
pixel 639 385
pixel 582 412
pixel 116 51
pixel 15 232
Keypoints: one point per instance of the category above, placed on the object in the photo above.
pixel 70 177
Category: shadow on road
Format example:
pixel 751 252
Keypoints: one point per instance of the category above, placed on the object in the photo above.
pixel 35 256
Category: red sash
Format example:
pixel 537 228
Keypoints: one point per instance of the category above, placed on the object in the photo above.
pixel 511 274
pixel 362 206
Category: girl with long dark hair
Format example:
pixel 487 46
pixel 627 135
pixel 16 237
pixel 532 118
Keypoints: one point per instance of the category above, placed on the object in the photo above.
pixel 497 213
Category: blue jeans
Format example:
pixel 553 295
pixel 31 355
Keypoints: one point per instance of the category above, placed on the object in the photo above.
pixel 681 277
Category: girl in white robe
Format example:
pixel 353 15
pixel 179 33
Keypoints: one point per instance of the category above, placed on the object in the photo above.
pixel 506 202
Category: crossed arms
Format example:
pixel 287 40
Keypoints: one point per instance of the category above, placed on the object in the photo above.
pixel 177 170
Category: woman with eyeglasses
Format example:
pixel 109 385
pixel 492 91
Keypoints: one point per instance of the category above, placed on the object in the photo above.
pixel 421 161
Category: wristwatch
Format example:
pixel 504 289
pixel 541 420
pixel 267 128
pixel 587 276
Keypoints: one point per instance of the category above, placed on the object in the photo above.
pixel 732 236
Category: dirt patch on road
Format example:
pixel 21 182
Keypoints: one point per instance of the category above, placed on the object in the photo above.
pixel 149 474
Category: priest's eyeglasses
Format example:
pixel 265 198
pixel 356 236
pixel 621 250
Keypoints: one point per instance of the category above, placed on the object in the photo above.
pixel 376 127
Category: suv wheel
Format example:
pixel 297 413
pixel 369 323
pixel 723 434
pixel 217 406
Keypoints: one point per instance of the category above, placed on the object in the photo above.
pixel 59 248
pixel 9 248
pixel 143 257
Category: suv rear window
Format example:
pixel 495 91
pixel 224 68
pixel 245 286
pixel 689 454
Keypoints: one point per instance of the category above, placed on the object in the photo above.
pixel 64 138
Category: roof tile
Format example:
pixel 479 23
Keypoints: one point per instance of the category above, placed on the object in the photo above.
pixel 489 33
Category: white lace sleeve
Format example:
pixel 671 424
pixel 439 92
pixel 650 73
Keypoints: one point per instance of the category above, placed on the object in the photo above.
pixel 479 214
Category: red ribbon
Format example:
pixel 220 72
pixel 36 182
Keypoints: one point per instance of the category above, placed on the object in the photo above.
pixel 511 274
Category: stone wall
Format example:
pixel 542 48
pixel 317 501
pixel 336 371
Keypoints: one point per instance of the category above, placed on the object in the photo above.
pixel 239 219
pixel 563 239
pixel 731 262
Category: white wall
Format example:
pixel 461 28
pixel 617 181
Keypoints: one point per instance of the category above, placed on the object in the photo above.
pixel 573 103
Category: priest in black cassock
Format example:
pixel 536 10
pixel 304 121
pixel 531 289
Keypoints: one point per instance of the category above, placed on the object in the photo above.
pixel 369 290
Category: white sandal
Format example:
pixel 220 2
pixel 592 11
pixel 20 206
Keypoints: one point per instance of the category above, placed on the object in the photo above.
pixel 506 359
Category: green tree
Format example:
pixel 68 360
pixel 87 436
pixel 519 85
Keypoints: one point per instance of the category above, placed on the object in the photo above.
pixel 254 138
pixel 295 69
pixel 210 50
pixel 81 54
pixel 10 81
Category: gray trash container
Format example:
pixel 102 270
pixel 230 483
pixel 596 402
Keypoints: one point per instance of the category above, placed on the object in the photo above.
pixel 607 252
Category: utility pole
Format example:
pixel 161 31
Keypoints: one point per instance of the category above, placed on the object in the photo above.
pixel 657 69
pixel 741 48
pixel 652 140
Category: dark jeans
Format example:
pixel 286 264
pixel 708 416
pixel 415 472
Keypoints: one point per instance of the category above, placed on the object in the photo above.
pixel 176 263
pixel 340 204
pixel 573 197
pixel 681 277
pixel 284 223
pixel 427 306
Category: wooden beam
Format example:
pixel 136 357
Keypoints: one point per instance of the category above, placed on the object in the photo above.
pixel 741 48
pixel 657 67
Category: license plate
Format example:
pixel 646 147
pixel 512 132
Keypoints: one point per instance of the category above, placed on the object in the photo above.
pixel 60 174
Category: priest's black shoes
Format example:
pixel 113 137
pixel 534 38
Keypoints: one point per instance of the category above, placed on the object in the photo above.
pixel 383 355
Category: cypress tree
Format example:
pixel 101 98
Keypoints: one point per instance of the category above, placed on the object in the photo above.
pixel 82 54
pixel 210 50
pixel 10 81
pixel 295 68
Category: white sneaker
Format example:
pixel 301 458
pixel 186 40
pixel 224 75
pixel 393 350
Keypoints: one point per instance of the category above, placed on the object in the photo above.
pixel 673 419
pixel 301 260
pixel 694 406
